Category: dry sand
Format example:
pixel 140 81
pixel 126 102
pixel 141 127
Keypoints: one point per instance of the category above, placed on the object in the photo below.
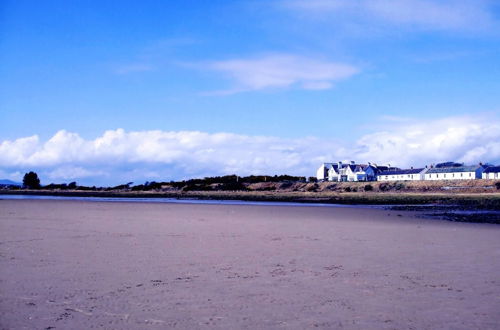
pixel 82 265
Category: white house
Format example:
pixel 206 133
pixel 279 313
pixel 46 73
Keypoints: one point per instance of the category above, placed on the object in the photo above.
pixel 412 174
pixel 346 172
pixel 351 171
pixel 492 172
pixel 455 173
pixel 333 172
pixel 322 172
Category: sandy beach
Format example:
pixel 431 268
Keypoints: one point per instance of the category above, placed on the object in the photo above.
pixel 130 265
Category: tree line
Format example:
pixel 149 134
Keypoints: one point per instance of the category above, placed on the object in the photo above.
pixel 227 182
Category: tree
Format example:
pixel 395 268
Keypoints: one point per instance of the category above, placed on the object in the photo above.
pixel 31 181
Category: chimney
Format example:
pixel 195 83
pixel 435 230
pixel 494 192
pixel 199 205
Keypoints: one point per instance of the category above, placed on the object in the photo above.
pixel 352 162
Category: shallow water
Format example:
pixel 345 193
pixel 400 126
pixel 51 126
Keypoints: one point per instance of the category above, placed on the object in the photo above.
pixel 182 201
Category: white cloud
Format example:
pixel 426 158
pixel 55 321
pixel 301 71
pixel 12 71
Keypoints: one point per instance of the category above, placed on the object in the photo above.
pixel 68 172
pixel 119 156
pixel 282 71
pixel 426 14
pixel 419 142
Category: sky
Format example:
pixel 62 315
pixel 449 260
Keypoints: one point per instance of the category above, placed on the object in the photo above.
pixel 105 92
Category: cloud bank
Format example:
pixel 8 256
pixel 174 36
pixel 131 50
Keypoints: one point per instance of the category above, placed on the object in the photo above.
pixel 119 156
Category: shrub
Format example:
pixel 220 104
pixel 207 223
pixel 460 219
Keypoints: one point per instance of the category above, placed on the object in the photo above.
pixel 399 186
pixel 332 186
pixel 368 187
pixel 232 186
pixel 347 189
pixel 384 187
pixel 497 184
pixel 286 185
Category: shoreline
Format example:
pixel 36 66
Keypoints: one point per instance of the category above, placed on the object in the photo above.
pixel 466 201
pixel 465 208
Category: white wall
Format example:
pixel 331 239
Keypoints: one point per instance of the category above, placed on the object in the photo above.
pixel 491 175
pixel 451 176
pixel 333 176
pixel 320 173
pixel 400 177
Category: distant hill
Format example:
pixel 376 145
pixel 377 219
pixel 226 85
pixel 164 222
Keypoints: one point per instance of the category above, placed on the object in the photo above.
pixel 5 182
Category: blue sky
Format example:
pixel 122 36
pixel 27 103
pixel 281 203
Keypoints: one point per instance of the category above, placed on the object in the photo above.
pixel 295 82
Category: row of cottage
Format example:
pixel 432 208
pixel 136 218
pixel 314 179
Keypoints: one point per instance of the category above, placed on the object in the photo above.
pixel 351 171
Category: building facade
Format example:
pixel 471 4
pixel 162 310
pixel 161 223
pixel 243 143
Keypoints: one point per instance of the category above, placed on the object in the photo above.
pixel 492 172
pixel 455 173
pixel 351 172
pixel 412 174
pixel 322 171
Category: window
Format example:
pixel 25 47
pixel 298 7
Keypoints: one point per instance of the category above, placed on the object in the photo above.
pixel 444 175
pixel 470 174
pixel 461 175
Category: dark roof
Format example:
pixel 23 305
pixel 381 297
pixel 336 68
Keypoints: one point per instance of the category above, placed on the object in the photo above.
pixel 386 168
pixel 492 169
pixel 405 171
pixel 360 167
pixel 449 164
pixel 335 166
pixel 454 169
pixel 352 167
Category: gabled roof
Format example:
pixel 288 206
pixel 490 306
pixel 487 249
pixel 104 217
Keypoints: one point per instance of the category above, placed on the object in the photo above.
pixel 352 167
pixel 492 169
pixel 359 168
pixel 404 171
pixel 334 166
pixel 454 169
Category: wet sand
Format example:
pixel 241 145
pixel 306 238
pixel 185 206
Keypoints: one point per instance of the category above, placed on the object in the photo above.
pixel 83 265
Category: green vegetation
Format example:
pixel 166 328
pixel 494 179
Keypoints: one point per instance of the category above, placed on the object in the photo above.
pixel 31 181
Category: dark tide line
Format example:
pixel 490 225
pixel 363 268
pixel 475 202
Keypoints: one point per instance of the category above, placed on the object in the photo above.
pixel 185 201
